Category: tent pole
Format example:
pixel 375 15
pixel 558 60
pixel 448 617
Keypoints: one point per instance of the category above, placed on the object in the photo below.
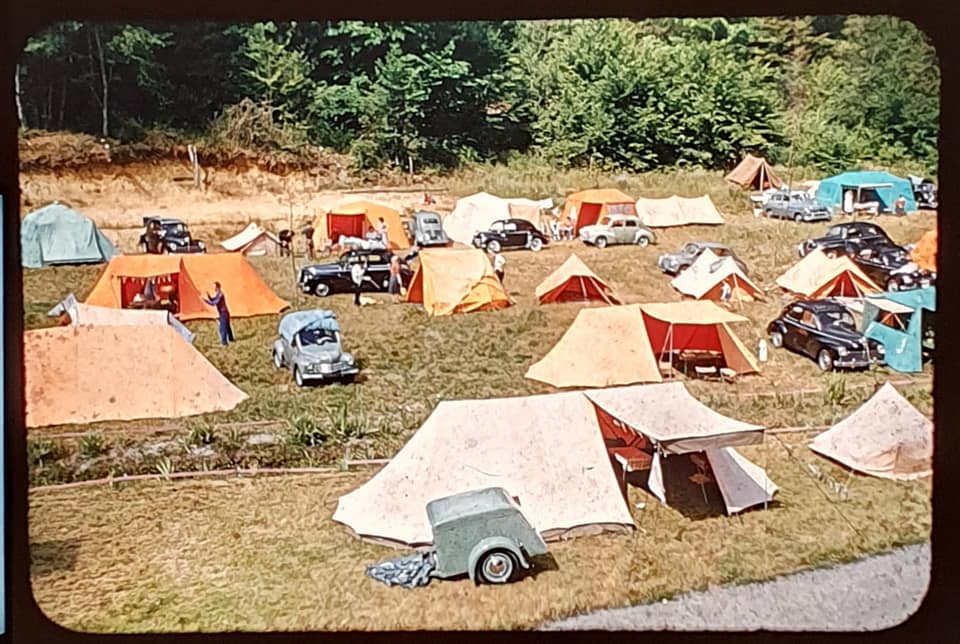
pixel 583 289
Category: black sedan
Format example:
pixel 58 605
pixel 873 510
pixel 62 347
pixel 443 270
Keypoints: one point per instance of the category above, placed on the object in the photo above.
pixel 825 331
pixel 327 279
pixel 840 238
pixel 510 234
pixel 891 268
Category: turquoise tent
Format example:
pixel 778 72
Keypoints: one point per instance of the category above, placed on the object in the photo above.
pixel 866 186
pixel 903 322
pixel 56 234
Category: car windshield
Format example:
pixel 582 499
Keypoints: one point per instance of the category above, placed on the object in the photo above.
pixel 835 231
pixel 316 336
pixel 837 318
pixel 431 221
pixel 497 226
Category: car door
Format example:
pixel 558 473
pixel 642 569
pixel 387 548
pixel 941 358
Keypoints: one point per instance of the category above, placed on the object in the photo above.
pixel 618 230
pixel 378 270
pixel 288 350
pixel 775 206
pixel 513 237
pixel 630 228
pixel 791 321
pixel 807 331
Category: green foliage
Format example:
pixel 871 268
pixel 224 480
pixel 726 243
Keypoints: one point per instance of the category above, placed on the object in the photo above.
pixel 200 433
pixel 306 431
pixel 93 445
pixel 43 451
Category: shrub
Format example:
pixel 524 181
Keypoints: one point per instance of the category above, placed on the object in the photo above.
pixel 93 445
pixel 305 431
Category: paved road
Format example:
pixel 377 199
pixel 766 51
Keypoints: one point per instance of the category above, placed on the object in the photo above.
pixel 871 594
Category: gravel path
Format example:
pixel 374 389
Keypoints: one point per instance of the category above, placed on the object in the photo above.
pixel 870 594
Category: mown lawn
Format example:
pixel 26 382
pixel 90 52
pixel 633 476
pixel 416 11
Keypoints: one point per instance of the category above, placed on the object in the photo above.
pixel 264 554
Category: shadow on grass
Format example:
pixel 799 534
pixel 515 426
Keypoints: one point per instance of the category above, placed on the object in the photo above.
pixel 47 557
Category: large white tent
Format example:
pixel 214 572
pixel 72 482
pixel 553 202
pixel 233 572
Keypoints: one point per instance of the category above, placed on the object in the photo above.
pixel 478 211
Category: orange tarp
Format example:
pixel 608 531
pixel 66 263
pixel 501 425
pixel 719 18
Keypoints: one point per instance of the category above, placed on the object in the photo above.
pixel 455 280
pixel 754 172
pixel 603 347
pixel 194 275
pixel 924 253
pixel 573 281
pixel 590 205
pixel 331 224
pixel 816 276
pixel 88 374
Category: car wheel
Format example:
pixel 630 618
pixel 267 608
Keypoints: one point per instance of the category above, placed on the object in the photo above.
pixel 893 285
pixel 297 376
pixel 493 246
pixel 322 289
pixel 601 242
pixel 797 217
pixel 277 359
pixel 825 360
pixel 536 244
pixel 776 339
pixel 497 567
pixel 643 241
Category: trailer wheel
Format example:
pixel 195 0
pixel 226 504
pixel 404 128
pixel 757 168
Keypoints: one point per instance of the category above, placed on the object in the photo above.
pixel 497 567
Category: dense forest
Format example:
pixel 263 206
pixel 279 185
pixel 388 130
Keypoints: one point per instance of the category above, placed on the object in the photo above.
pixel 824 92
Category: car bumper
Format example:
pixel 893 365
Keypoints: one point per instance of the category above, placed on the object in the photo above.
pixel 665 267
pixel 857 361
pixel 816 216
pixel 339 372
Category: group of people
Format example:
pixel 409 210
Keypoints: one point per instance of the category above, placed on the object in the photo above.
pixel 562 226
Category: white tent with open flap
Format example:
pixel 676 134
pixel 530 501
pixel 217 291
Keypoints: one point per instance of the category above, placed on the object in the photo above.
pixel 886 437
pixel 662 421
pixel 477 212
pixel 253 241
pixel 705 278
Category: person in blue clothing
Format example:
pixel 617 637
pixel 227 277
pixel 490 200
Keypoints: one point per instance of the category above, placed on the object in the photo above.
pixel 223 313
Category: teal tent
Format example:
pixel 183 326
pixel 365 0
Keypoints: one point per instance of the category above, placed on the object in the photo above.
pixel 56 234
pixel 866 186
pixel 903 322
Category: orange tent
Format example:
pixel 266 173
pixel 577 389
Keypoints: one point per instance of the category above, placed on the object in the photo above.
pixel 924 253
pixel 190 277
pixel 354 219
pixel 817 275
pixel 697 326
pixel 754 172
pixel 573 281
pixel 603 347
pixel 589 205
pixel 88 374
pixel 456 280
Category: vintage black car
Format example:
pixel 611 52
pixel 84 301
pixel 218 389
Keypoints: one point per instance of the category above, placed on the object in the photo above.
pixel 825 331
pixel 844 238
pixel 327 279
pixel 163 235
pixel 508 234
pixel 891 268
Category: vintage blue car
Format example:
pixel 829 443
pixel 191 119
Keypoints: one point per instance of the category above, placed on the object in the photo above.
pixel 309 345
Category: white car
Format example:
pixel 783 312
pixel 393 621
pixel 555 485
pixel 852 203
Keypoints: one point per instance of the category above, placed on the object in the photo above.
pixel 617 229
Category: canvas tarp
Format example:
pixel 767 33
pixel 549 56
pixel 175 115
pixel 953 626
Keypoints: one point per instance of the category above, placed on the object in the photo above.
pixel 697 325
pixel 924 254
pixel 898 320
pixel 704 279
pixel 603 347
pixel 89 374
pixel 587 206
pixel 86 315
pixel 354 219
pixel 456 280
pixel 56 234
pixel 545 450
pixel 193 275
pixel 253 240
pixel 754 172
pixel 678 211
pixel 817 276
pixel 886 437
pixel 882 186
pixel 477 212
pixel 573 281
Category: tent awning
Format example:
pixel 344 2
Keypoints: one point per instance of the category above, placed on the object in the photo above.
pixel 889 306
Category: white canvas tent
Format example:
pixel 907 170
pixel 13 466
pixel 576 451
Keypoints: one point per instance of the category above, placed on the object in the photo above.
pixel 476 212
pixel 90 315
pixel 705 277
pixel 886 437
pixel 678 211
pixel 253 241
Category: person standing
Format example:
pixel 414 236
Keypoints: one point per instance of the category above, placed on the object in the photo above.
pixel 498 263
pixel 308 233
pixel 357 272
pixel 725 293
pixel 219 300
pixel 382 231
pixel 395 285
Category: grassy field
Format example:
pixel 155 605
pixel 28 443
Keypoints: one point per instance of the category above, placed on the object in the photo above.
pixel 263 554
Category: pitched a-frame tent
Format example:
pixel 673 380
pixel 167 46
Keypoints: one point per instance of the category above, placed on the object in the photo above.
pixel 587 206
pixel 456 280
pixel 76 314
pixel 573 281
pixel 696 328
pixel 705 278
pixel 182 281
pixel 659 427
pixel 55 234
pixel 546 451
pixel 253 241
pixel 817 276
pixel 886 437
pixel 88 374
pixel 903 322
pixel 924 254
pixel 678 211
pixel 603 347
pixel 355 218
pixel 754 172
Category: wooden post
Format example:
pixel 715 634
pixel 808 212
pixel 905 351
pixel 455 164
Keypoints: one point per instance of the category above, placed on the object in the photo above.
pixel 195 162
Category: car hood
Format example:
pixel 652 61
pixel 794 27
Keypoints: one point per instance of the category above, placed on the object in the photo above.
pixel 593 229
pixel 321 353
pixel 322 269
pixel 851 338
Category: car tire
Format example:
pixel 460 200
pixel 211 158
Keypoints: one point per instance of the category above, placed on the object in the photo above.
pixel 893 285
pixel 298 377
pixel 600 242
pixel 497 567
pixel 493 246
pixel 322 289
pixel 797 217
pixel 776 339
pixel 277 359
pixel 825 360
pixel 536 244
pixel 643 241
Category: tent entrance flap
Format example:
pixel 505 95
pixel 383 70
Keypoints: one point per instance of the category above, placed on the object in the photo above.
pixel 352 225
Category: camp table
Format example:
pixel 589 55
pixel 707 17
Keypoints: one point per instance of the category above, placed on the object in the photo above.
pixel 689 361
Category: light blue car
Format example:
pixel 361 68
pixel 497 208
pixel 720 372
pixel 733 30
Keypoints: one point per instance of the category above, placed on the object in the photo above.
pixel 309 345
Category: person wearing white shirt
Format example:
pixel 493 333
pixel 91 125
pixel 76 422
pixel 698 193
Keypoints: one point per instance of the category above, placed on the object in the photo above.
pixel 498 263
pixel 357 272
